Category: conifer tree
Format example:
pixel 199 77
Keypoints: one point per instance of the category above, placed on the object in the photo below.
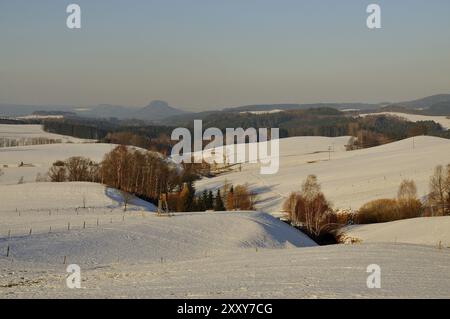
pixel 218 203
pixel 210 200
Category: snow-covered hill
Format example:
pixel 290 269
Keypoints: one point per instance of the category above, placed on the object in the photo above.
pixel 142 238
pixel 29 131
pixel 349 178
pixel 69 195
pixel 39 158
pixel 432 231
pixel 39 206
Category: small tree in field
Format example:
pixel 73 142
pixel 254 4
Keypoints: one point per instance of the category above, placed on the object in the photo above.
pixel 186 198
pixel 408 205
pixel 41 178
pixel 58 172
pixel 407 190
pixel 243 198
pixel 438 199
pixel 126 198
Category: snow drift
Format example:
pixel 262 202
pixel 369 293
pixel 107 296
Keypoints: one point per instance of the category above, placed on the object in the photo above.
pixel 432 231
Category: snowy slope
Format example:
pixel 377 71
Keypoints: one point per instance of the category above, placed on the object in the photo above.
pixel 135 235
pixel 70 195
pixel 137 254
pixel 433 231
pixel 147 238
pixel 41 206
pixel 337 271
pixel 39 158
pixel 21 131
pixel 349 179
pixel 443 120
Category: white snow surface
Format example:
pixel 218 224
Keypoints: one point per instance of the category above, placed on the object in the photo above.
pixel 135 233
pixel 146 237
pixel 432 231
pixel 136 254
pixel 337 271
pixel 349 179
pixel 63 196
pixel 19 131
pixel 39 158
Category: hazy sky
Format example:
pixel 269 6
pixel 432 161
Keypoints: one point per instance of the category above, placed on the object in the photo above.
pixel 214 53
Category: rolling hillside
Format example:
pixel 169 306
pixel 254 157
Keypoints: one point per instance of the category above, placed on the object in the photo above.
pixel 349 179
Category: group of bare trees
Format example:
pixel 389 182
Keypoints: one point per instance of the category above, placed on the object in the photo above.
pixel 406 205
pixel 143 173
pixel 310 209
pixel 439 196
pixel 74 169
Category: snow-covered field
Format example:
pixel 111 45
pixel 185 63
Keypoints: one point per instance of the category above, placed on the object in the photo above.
pixel 350 178
pixel 39 158
pixel 443 120
pixel 68 195
pixel 432 231
pixel 12 131
pixel 338 271
pixel 189 255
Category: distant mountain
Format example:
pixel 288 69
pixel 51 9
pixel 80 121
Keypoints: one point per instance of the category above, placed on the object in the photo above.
pixel 157 110
pixel 426 102
pixel 162 112
pixel 431 105
pixel 441 108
